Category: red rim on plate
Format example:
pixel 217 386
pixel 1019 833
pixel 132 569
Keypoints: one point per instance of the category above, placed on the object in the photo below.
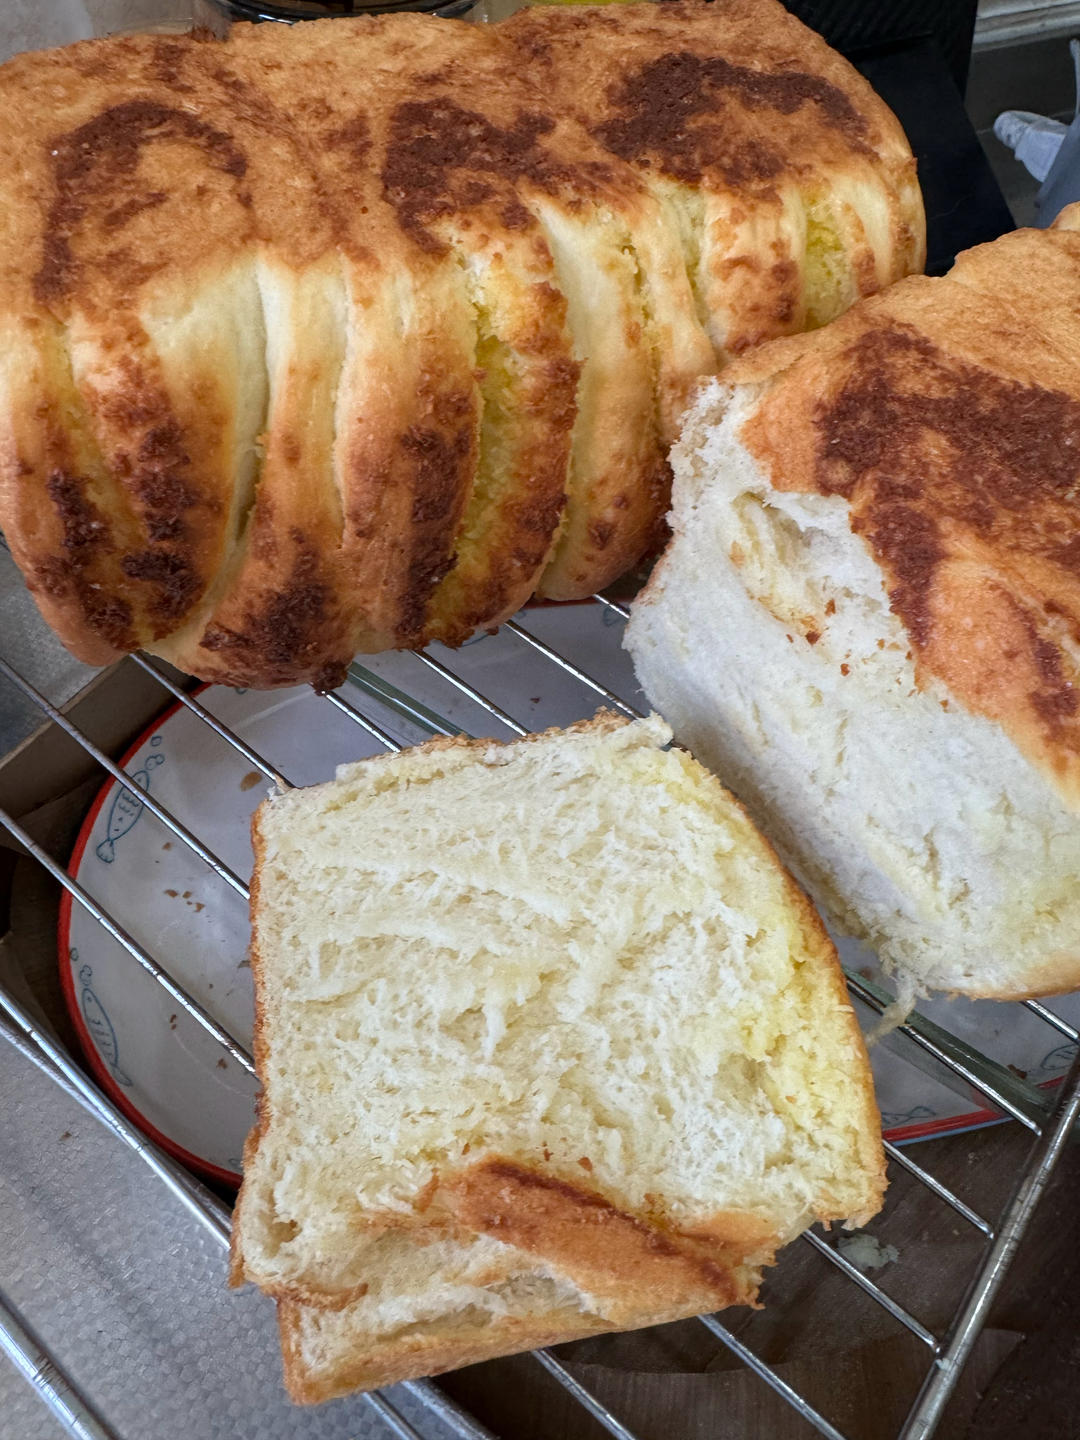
pixel 975 1120
pixel 67 981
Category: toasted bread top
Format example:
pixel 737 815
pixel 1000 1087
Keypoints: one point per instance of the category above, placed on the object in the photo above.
pixel 946 413
pixel 307 335
pixel 732 94
pixel 794 181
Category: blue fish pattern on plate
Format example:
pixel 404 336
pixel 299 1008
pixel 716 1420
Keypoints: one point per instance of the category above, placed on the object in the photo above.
pixel 126 808
pixel 98 1023
pixel 1058 1060
pixel 895 1118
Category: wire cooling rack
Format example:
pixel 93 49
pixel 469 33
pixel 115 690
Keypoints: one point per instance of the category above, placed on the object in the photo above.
pixel 366 700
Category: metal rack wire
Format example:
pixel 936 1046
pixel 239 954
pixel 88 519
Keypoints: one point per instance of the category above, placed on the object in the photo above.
pixel 1048 1120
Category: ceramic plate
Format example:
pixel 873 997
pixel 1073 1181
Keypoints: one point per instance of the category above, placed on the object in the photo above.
pixel 158 1063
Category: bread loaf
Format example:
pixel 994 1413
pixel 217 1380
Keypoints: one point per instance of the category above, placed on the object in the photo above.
pixel 347 336
pixel 549 1045
pixel 867 620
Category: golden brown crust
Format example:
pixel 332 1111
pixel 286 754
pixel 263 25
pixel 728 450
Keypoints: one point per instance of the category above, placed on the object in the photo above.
pixel 638 1273
pixel 678 107
pixel 738 103
pixel 141 494
pixel 170 479
pixel 946 415
pixel 626 1262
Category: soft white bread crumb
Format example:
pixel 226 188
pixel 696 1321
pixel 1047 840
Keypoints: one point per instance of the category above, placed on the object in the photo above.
pixel 917 824
pixel 549 1044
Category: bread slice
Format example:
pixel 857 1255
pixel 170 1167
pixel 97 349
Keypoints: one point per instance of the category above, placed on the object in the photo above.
pixel 867 619
pixel 549 1044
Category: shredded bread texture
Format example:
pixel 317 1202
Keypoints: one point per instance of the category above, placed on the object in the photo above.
pixel 550 1044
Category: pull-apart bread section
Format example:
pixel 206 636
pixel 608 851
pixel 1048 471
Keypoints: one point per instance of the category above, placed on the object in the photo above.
pixel 869 618
pixel 347 336
pixel 790 184
pixel 522 1084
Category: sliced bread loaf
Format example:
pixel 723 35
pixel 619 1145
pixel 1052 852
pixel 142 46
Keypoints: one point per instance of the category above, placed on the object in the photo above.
pixel 347 336
pixel 550 1044
pixel 867 620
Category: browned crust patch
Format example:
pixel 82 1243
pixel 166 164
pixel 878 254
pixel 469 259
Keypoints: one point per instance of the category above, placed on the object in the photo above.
pixel 959 460
pixel 674 114
pixel 622 1259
